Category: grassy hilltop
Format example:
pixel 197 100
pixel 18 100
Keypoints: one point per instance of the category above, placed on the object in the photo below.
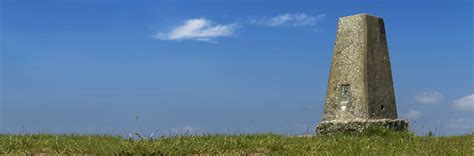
pixel 382 142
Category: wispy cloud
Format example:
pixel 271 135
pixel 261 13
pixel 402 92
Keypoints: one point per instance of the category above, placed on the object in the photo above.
pixel 413 114
pixel 461 123
pixel 290 19
pixel 465 103
pixel 429 97
pixel 202 29
pixel 184 130
pixel 199 29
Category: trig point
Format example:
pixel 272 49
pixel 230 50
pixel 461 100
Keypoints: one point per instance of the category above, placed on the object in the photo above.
pixel 360 92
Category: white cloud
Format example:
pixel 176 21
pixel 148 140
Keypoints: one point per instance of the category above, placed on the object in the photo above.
pixel 413 114
pixel 184 130
pixel 199 29
pixel 290 19
pixel 202 29
pixel 465 103
pixel 461 123
pixel 430 97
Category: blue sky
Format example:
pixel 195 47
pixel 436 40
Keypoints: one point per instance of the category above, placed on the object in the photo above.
pixel 115 67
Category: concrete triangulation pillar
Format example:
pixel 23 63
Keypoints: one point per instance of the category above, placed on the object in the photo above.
pixel 360 90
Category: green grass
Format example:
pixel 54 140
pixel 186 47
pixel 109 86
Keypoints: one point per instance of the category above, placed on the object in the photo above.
pixel 373 143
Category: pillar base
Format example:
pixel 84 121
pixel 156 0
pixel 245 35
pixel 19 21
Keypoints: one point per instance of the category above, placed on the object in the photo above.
pixel 358 126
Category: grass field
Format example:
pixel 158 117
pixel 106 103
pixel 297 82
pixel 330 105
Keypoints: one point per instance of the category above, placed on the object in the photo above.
pixel 379 143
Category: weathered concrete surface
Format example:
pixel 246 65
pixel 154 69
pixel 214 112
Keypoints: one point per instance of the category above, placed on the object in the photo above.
pixel 358 126
pixel 360 84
